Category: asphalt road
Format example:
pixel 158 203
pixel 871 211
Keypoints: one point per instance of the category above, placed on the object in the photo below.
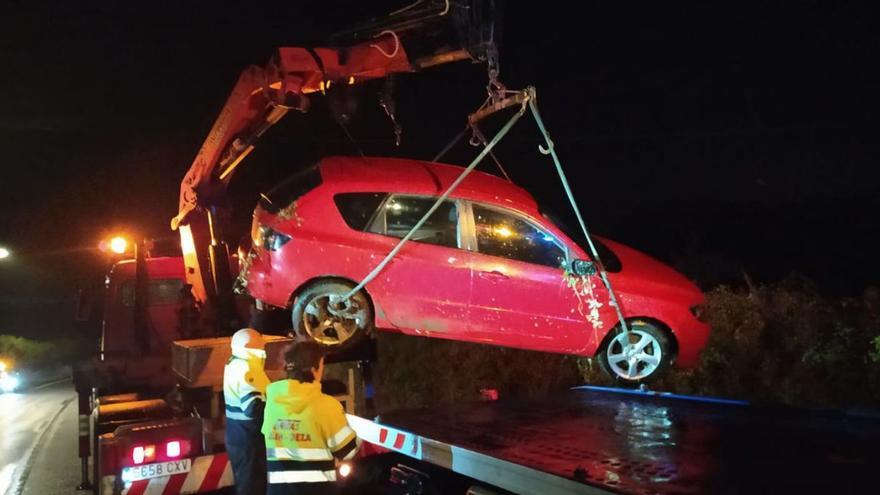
pixel 38 442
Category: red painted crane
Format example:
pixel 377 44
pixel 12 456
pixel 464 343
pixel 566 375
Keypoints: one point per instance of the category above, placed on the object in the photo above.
pixel 425 34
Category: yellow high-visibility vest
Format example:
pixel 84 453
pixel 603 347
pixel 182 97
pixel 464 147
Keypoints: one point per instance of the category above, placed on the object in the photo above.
pixel 306 433
pixel 244 382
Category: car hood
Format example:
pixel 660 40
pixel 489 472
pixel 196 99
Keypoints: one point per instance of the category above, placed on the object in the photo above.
pixel 639 270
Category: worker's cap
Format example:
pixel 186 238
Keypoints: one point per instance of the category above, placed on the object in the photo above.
pixel 248 342
pixel 303 356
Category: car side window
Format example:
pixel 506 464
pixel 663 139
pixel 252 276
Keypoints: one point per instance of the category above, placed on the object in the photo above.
pixel 508 236
pixel 401 213
pixel 357 209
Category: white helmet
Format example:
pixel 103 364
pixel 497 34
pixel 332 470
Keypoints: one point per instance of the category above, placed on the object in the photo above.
pixel 247 343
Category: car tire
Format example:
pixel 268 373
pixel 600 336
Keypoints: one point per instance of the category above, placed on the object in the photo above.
pixel 648 359
pixel 338 328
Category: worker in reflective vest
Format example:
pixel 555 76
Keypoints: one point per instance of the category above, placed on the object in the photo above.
pixel 307 434
pixel 244 389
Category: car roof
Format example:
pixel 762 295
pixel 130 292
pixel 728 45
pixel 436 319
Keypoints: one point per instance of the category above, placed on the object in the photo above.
pixel 400 175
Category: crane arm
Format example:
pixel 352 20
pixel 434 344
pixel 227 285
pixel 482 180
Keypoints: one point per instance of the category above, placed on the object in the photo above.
pixel 422 35
pixel 263 95
pixel 427 33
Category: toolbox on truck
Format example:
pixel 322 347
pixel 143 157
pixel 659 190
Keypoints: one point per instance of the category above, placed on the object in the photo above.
pixel 200 362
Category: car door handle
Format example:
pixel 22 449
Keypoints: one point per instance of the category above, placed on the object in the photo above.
pixel 492 275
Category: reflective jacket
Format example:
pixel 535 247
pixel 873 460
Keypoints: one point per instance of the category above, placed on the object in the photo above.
pixel 244 386
pixel 306 433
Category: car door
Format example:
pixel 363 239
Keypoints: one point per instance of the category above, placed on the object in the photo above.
pixel 521 295
pixel 426 287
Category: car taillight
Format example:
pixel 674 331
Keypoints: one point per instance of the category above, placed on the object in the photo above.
pixel 143 453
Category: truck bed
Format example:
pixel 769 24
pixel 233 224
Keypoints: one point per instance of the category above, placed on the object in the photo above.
pixel 609 440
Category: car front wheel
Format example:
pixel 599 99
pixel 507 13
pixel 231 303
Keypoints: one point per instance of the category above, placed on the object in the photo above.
pixel 320 314
pixel 637 356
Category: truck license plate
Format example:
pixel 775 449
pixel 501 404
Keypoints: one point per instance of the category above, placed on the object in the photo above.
pixel 156 470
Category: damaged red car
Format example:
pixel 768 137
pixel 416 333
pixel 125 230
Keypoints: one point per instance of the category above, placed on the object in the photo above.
pixel 486 267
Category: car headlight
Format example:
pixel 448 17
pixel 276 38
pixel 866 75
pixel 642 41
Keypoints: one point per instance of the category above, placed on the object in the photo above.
pixel 9 383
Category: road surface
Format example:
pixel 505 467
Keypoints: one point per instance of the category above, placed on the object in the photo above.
pixel 38 443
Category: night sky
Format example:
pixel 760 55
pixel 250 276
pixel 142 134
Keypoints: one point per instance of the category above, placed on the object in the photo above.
pixel 722 140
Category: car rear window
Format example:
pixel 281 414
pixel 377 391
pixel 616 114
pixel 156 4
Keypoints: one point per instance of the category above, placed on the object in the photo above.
pixel 357 209
pixel 291 189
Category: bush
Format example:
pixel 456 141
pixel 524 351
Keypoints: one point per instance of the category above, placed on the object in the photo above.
pixel 420 372
pixel 776 343
pixel 786 343
pixel 27 353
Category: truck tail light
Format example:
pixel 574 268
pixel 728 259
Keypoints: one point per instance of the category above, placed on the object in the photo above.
pixel 172 449
pixel 175 449
pixel 143 453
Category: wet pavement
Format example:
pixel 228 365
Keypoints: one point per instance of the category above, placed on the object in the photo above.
pixel 38 441
pixel 641 444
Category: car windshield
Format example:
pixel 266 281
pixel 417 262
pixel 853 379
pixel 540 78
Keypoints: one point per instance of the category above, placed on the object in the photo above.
pixel 609 259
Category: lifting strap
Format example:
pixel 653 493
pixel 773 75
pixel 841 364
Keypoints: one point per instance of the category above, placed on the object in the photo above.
pixel 551 150
pixel 373 274
pixel 527 97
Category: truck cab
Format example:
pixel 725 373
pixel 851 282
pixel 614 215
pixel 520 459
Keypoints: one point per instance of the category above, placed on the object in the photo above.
pixel 125 362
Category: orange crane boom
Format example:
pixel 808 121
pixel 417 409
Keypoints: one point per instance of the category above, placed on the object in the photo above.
pixel 424 34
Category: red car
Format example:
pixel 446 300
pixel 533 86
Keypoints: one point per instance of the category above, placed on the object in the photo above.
pixel 487 267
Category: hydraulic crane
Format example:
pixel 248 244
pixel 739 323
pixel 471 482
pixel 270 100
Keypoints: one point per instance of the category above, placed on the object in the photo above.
pixel 422 35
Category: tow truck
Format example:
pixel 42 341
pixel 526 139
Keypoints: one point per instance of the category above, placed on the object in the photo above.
pixel 157 426
pixel 149 401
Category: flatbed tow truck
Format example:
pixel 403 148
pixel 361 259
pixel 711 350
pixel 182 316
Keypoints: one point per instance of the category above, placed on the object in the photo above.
pixel 592 440
pixel 154 427
pixel 584 440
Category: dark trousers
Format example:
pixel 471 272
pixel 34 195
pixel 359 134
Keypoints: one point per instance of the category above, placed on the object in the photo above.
pixel 327 488
pixel 247 454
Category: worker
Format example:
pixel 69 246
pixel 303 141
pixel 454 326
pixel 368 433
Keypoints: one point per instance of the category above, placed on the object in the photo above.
pixel 244 391
pixel 307 433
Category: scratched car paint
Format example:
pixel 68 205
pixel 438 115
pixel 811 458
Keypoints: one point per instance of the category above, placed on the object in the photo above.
pixel 486 267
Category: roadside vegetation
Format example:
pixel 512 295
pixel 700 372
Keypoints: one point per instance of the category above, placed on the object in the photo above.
pixel 782 343
pixel 22 352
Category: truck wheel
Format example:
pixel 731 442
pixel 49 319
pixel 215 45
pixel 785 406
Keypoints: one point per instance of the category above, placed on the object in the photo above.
pixel 319 314
pixel 640 356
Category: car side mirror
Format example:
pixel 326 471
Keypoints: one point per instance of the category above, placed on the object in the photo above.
pixel 583 268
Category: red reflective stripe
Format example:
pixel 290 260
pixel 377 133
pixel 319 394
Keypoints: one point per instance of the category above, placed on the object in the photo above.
pixel 398 442
pixel 138 487
pixel 175 483
pixel 383 435
pixel 215 472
